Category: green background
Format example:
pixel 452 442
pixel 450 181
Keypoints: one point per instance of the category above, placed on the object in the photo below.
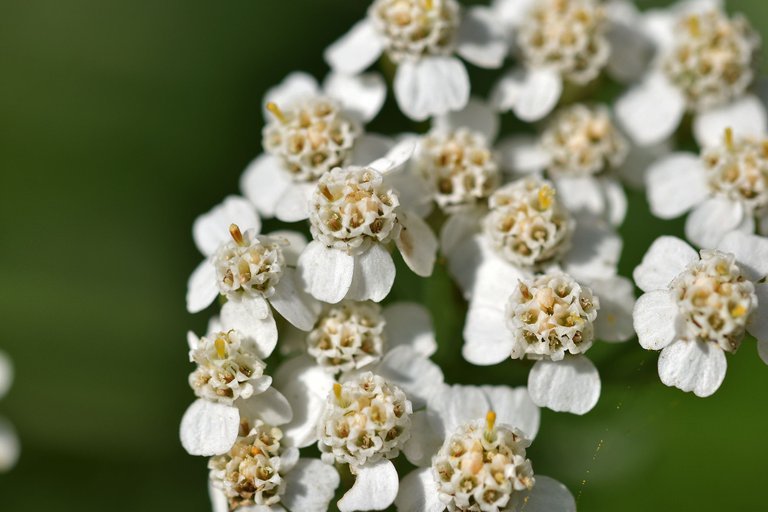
pixel 120 121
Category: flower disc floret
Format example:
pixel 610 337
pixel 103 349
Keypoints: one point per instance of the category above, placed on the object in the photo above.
pixel 251 473
pixel 249 264
pixel 365 420
pixel 480 467
pixel 226 363
pixel 526 224
pixel 413 28
pixel 567 35
pixel 351 209
pixel 712 61
pixel 459 167
pixel 348 336
pixel 551 315
pixel 715 300
pixel 311 137
pixel 583 141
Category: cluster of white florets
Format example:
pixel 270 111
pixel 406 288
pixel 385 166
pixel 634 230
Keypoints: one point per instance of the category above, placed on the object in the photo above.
pixel 249 264
pixel 458 166
pixel 412 28
pixel 550 316
pixel 526 224
pixel 348 336
pixel 311 137
pixel 351 208
pixel 583 141
pixel 715 300
pixel 712 61
pixel 366 419
pixel 481 466
pixel 567 35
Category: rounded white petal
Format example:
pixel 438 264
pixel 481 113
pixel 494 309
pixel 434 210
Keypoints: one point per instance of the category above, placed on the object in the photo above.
pixel 547 495
pixel 594 252
pixel 201 287
pixel 299 308
pixel 363 95
pixel 676 184
pixel 512 12
pixel 693 366
pixel 211 229
pixel 487 341
pixel 758 325
pixel 582 196
pixel 639 159
pixel 415 374
pixel 453 406
pixel 762 349
pixel 418 493
pixel 751 252
pixel 665 259
pixel 477 116
pixel 655 319
pixel 297 242
pixel 417 244
pixel 522 154
pixel 571 385
pixel 481 39
pixel 355 50
pixel 398 155
pixel 746 116
pixel 651 111
pixel 10 448
pixel 209 428
pixel 6 373
pixel 465 259
pixel 369 147
pixel 270 406
pixel 711 220
pixel 617 300
pixel 631 49
pixel 325 273
pixel 253 319
pixel 458 228
pixel 514 407
pixel 424 441
pixel 293 204
pixel 410 324
pixel 311 485
pixel 375 488
pixel 219 501
pixel 431 86
pixel 294 87
pixel 263 182
pixel 538 93
pixel 374 274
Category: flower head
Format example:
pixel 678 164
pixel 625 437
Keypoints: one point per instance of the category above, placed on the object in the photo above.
pixel 249 264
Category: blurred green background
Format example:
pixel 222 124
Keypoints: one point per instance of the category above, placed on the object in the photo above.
pixel 120 121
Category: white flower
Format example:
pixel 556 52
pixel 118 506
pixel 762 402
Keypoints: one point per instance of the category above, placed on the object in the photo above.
pixel 696 307
pixel 9 442
pixel 558 41
pixel 252 271
pixel 354 215
pixel 310 130
pixel 704 64
pixel 421 37
pixel 726 188
pixel 466 463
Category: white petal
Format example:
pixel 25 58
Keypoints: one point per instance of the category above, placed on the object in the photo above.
pixel 415 374
pixel 297 242
pixel 414 193
pixel 487 339
pixel 417 244
pixel 751 252
pixel 375 488
pixel 355 50
pixel 477 116
pixel 209 428
pixel 617 300
pixel 539 92
pixel 6 374
pixel 631 49
pixel 547 495
pixel 424 441
pixel 514 407
pixel 762 349
pixel 295 87
pixel 410 324
pixel 369 147
pixel 263 182
pixel 311 485
pixel 10 448
pixel 582 196
pixel 639 159
pixel 306 386
pixel 325 273
pixel 362 95
pixel 211 229
pixel 595 251
pixel 693 366
pixel 400 153
pixel 201 287
pixel 571 385
pixel 481 38
pixel 299 308
pixel 651 111
pixel 219 500
pixel 522 154
pixel 270 406
pixel 746 116
pixel 418 493
pixel 458 228
pixel 456 405
pixel 430 86
pixel 512 12
pixel 253 319
pixel 374 274
pixel 665 259
pixel 615 200
pixel 655 319
pixel 758 326
pixel 293 204
pixel 676 184
pixel 464 261
pixel 709 222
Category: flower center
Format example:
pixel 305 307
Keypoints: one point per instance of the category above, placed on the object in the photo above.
pixel 583 141
pixel 250 474
pixel 526 224
pixel 348 336
pixel 248 264
pixel 715 299
pixel 738 170
pixel 225 366
pixel 366 419
pixel 713 58
pixel 551 315
pixel 350 209
pixel 311 137
pixel 480 467
pixel 412 28
pixel 459 166
pixel 567 35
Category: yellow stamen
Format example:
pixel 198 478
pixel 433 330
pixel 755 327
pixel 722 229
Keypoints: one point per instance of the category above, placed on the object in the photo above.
pixel 694 26
pixel 275 111
pixel 429 4
pixel 490 421
pixel 738 311
pixel 337 390
pixel 728 137
pixel 221 347
pixel 546 195
pixel 237 235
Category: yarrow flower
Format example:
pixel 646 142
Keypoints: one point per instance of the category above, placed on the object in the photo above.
pixel 697 307
pixel 9 442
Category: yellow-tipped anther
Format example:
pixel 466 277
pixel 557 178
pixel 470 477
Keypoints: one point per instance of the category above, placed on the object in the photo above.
pixel 429 4
pixel 728 138
pixel 275 111
pixel 337 390
pixel 237 235
pixel 221 347
pixel 490 420
pixel 738 311
pixel 546 196
pixel 694 26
